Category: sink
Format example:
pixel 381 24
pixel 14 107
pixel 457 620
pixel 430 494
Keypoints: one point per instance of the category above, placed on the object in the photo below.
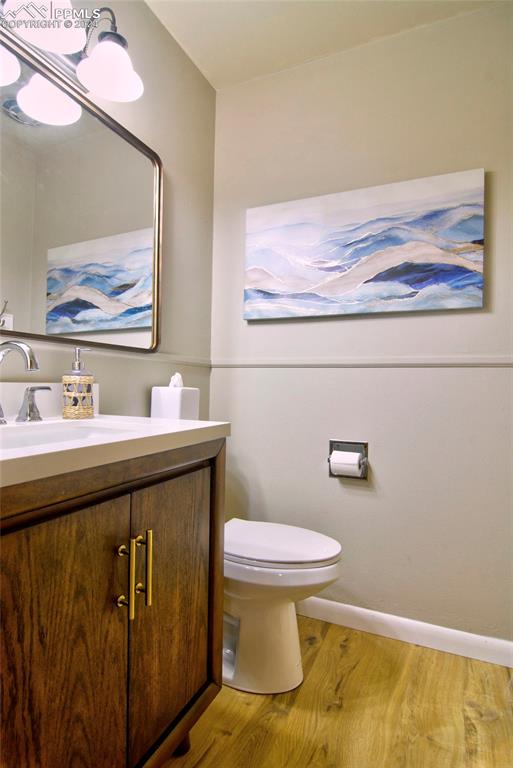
pixel 29 451
pixel 29 435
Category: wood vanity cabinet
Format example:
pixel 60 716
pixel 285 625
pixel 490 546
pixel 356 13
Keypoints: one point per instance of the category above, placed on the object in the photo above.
pixel 82 684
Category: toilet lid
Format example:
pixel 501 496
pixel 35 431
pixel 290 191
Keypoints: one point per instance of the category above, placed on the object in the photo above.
pixel 274 544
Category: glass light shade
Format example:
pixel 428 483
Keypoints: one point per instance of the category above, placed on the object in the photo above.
pixel 10 69
pixel 109 74
pixel 44 102
pixel 55 37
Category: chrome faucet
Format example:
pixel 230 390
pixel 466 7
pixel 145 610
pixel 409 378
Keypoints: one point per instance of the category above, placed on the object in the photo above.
pixel 29 358
pixel 29 410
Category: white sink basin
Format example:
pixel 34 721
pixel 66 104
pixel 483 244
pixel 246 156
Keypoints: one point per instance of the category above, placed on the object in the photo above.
pixel 29 451
pixel 40 433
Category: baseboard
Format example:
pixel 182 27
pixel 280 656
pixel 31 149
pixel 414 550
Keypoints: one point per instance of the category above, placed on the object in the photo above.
pixel 490 649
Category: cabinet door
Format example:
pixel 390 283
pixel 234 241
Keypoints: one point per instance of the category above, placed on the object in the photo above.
pixel 64 641
pixel 169 640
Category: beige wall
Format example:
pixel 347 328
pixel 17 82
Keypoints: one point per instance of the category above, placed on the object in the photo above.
pixel 175 117
pixel 18 182
pixel 430 536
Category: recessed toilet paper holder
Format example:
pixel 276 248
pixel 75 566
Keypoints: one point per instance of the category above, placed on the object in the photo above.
pixel 348 447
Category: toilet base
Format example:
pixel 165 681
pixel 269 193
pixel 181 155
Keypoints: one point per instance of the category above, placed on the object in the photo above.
pixel 261 651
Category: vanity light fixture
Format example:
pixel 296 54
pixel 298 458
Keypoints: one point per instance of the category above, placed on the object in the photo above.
pixel 10 69
pixel 57 30
pixel 44 102
pixel 108 71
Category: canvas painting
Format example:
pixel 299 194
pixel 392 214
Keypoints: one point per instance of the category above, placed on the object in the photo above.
pixel 103 284
pixel 409 246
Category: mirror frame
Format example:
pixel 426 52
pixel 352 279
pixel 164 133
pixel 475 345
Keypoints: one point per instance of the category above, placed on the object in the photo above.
pixel 63 80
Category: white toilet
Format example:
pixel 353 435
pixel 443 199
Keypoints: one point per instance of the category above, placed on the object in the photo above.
pixel 267 568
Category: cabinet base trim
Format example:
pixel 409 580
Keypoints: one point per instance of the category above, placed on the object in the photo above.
pixel 169 744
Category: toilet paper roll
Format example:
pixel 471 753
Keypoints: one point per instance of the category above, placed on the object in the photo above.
pixel 346 463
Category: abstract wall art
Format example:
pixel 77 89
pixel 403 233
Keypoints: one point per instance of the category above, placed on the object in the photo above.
pixel 409 246
pixel 103 284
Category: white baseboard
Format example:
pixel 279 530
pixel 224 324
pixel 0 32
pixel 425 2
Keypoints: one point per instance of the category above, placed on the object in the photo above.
pixel 490 649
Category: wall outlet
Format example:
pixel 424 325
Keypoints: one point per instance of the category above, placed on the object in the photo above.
pixel 7 322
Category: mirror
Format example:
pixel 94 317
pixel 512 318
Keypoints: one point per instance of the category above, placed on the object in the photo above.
pixel 80 222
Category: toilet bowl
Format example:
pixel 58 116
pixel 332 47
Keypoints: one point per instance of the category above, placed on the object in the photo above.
pixel 267 568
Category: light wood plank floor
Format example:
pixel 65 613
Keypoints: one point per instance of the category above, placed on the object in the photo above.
pixel 366 702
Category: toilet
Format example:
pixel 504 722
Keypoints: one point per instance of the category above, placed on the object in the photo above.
pixel 268 567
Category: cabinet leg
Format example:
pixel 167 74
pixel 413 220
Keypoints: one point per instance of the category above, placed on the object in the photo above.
pixel 183 747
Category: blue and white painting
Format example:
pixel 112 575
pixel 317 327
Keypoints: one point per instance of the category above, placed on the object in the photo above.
pixel 413 245
pixel 103 284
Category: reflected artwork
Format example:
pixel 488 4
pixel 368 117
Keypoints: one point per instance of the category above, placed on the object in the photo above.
pixel 103 284
pixel 410 246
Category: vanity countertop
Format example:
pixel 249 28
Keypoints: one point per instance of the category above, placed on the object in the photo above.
pixel 56 446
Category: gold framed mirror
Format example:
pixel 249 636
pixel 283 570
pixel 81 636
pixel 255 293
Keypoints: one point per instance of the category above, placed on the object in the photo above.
pixel 81 221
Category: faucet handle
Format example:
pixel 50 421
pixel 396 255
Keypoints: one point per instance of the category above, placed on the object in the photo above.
pixel 29 410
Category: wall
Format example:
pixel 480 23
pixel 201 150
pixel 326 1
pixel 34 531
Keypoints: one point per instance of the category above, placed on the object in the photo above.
pixel 175 117
pixel 18 175
pixel 430 535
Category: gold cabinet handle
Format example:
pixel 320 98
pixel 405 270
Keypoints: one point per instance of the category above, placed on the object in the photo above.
pixel 149 566
pixel 123 551
pixel 148 543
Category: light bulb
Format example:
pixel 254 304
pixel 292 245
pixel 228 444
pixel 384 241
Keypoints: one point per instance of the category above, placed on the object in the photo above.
pixel 44 25
pixel 10 69
pixel 46 103
pixel 109 74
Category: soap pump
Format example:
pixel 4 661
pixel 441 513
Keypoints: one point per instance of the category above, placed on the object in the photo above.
pixel 77 390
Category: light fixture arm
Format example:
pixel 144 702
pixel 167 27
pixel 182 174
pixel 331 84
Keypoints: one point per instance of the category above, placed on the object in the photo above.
pixel 91 26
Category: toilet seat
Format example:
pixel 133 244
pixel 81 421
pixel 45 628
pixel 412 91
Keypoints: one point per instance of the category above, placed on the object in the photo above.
pixel 278 546
pixel 274 564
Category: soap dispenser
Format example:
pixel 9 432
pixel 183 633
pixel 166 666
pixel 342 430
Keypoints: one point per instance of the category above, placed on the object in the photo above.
pixel 77 390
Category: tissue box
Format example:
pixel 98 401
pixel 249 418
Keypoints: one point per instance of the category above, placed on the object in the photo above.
pixel 175 402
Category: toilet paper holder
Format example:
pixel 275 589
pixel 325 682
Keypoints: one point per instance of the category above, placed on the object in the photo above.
pixel 349 447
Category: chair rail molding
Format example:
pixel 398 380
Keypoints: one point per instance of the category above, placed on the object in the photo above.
pixel 403 361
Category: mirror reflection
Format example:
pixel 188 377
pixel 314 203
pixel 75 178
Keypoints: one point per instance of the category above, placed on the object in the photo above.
pixel 78 257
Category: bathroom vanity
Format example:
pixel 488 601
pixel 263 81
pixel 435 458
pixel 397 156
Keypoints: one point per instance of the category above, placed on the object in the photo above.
pixel 111 589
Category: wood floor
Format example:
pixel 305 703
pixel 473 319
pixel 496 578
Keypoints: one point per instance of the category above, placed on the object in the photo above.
pixel 366 702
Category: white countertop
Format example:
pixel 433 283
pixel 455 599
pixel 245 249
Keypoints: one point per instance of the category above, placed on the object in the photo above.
pixel 55 446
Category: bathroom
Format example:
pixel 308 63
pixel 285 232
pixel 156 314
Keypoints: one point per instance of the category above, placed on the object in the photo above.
pixel 407 655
